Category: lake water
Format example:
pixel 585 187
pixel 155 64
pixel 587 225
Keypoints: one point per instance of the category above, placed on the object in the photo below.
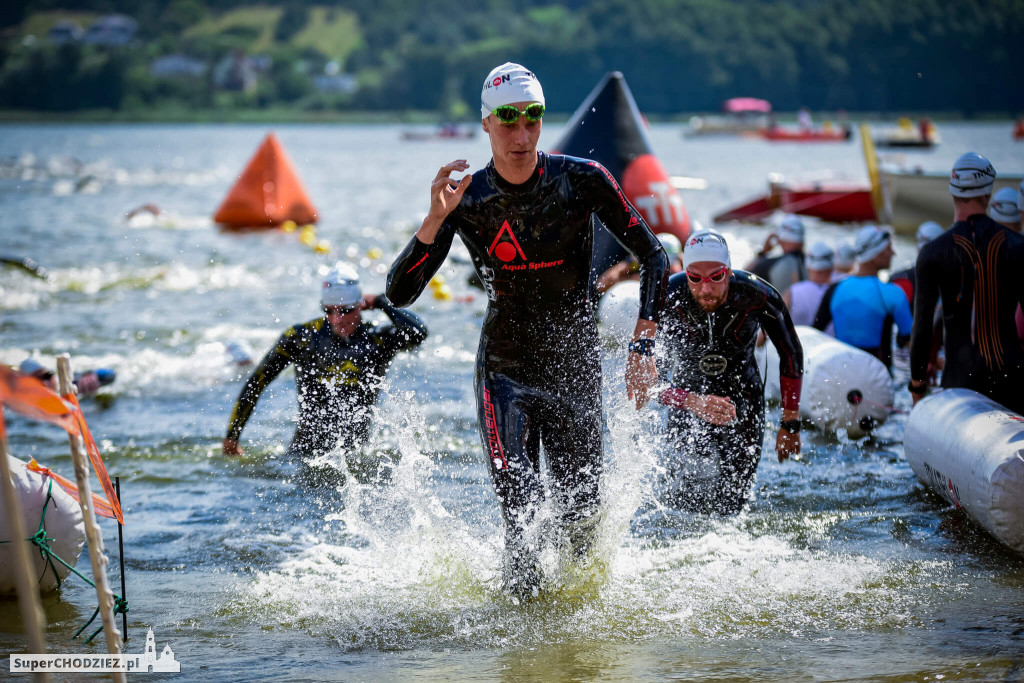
pixel 844 568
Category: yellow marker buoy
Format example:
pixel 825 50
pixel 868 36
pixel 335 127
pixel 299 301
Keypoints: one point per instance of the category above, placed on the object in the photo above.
pixel 375 253
pixel 443 293
pixel 307 235
pixel 437 281
pixel 322 247
pixel 289 226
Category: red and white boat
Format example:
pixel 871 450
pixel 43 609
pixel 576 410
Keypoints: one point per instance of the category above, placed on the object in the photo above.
pixel 824 134
pixel 901 198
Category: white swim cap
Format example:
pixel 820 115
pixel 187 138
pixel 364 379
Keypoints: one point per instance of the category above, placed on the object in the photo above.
pixel 871 241
pixel 928 231
pixel 673 247
pixel 508 84
pixel 1003 206
pixel 706 245
pixel 845 255
pixel 341 286
pixel 819 257
pixel 791 229
pixel 972 176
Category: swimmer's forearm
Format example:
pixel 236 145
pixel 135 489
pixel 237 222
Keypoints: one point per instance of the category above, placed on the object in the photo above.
pixel 428 230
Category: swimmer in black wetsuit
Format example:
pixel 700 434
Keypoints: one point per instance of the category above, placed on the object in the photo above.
pixel 977 267
pixel 340 363
pixel 710 326
pixel 526 219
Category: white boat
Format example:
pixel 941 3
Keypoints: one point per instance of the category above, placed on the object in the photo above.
pixel 905 198
pixel 911 197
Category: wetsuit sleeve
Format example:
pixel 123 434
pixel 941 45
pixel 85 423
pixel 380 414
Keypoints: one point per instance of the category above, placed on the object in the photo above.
pixel 823 317
pixel 407 329
pixel 270 367
pixel 417 263
pixel 623 221
pixel 926 296
pixel 778 325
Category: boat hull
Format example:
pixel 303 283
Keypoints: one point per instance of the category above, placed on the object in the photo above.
pixel 913 198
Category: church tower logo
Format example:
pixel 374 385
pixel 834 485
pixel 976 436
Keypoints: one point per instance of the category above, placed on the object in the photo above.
pixel 149 661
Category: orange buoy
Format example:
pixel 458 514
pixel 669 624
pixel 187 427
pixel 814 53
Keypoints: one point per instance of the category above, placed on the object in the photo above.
pixel 268 192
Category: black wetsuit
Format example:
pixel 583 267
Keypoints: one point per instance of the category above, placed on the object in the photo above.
pixel 338 378
pixel 713 353
pixel 977 267
pixel 538 372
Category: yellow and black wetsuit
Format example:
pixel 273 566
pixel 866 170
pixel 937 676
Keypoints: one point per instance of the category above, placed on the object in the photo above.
pixel 338 378
pixel 977 267
pixel 538 370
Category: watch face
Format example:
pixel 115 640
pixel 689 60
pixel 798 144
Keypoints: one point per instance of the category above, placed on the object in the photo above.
pixel 713 364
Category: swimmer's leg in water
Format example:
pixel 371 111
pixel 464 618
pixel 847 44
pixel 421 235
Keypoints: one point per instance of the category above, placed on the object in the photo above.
pixel 571 434
pixel 512 444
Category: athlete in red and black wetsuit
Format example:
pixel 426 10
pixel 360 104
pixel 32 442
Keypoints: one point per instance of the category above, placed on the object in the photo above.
pixel 526 220
pixel 710 325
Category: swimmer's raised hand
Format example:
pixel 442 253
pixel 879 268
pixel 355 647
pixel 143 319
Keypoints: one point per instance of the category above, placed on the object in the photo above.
pixel 445 195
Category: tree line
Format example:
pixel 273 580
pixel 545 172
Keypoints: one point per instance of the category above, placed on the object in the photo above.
pixel 677 55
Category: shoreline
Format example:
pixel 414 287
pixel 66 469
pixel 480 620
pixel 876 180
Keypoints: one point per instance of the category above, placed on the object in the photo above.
pixel 417 118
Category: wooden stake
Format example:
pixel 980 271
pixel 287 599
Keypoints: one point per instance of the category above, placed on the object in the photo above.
pixel 97 556
pixel 32 616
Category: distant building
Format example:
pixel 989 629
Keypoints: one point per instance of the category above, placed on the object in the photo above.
pixel 344 83
pixel 261 63
pixel 111 30
pixel 64 32
pixel 235 72
pixel 177 66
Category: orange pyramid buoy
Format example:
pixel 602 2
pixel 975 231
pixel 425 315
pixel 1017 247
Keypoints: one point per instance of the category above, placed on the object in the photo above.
pixel 267 193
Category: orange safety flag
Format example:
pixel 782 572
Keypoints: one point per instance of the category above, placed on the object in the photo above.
pixel 28 395
pixel 100 506
pixel 268 192
pixel 96 459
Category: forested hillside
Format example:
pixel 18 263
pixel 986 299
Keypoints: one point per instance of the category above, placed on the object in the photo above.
pixel 367 55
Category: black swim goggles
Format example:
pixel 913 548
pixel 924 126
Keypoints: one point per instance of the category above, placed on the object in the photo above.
pixel 509 114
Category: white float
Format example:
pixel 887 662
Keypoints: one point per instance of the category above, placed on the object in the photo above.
pixel 618 311
pixel 970 450
pixel 843 386
pixel 63 525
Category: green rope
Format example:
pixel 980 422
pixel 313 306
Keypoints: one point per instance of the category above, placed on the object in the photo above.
pixel 42 542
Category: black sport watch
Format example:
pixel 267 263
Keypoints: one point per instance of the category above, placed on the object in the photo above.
pixel 791 426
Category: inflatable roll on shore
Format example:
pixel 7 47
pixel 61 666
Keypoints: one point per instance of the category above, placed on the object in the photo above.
pixel 843 386
pixel 970 450
pixel 62 523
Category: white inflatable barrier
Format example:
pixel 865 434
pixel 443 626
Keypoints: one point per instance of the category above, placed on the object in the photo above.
pixel 63 525
pixel 843 386
pixel 970 450
pixel 618 311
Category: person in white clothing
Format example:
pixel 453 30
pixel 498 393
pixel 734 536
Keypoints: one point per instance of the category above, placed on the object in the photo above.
pixel 803 298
